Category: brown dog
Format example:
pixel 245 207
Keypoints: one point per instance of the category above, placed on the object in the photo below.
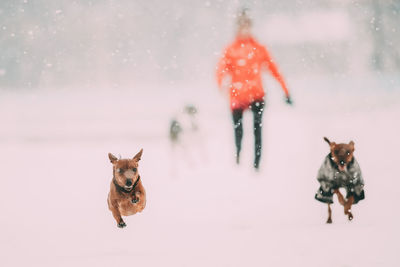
pixel 340 169
pixel 127 195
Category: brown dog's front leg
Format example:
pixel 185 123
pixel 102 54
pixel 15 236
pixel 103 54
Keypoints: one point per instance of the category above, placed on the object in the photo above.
pixel 341 199
pixel 136 197
pixel 347 207
pixel 329 214
pixel 346 203
pixel 117 216
pixel 139 199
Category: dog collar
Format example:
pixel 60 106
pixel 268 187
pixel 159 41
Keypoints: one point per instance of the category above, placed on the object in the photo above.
pixel 120 188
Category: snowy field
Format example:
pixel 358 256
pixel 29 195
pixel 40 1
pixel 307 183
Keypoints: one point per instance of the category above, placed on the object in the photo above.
pixel 202 209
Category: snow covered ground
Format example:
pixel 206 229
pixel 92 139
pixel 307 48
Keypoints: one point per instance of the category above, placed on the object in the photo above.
pixel 202 209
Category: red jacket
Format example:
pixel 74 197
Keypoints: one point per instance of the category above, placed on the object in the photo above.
pixel 244 60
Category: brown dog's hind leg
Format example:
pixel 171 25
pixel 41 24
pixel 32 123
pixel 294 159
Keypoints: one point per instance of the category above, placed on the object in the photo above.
pixel 329 214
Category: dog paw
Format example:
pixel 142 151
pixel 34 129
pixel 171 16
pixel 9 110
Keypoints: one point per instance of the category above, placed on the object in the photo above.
pixel 135 200
pixel 329 220
pixel 350 216
pixel 122 224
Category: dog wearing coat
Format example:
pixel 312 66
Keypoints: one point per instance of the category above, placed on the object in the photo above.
pixel 340 170
pixel 127 195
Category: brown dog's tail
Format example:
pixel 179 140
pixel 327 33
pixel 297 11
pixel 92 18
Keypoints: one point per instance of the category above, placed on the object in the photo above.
pixel 327 140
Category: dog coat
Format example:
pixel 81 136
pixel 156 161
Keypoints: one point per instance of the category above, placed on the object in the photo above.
pixel 330 178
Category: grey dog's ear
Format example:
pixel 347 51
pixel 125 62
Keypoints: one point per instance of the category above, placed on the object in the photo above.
pixel 112 158
pixel 138 156
pixel 331 144
pixel 327 140
pixel 352 145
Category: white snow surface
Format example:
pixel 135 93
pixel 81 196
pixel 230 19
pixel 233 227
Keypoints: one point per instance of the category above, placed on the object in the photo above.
pixel 202 209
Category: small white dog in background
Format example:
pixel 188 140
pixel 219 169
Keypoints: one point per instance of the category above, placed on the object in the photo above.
pixel 185 134
pixel 183 125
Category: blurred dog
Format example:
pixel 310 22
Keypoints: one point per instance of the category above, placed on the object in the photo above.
pixel 186 123
pixel 340 170
pixel 186 139
pixel 127 195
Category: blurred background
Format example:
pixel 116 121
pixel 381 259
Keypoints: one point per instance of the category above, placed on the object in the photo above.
pixel 80 79
pixel 115 43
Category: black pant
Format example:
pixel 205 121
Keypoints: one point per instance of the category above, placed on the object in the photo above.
pixel 257 108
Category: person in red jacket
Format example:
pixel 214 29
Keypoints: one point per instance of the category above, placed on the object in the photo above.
pixel 243 61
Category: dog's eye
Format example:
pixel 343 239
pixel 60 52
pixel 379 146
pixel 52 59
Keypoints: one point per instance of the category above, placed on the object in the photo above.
pixel 120 170
pixel 348 153
pixel 134 169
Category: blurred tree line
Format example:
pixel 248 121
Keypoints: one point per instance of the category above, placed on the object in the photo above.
pixel 63 43
pixel 385 22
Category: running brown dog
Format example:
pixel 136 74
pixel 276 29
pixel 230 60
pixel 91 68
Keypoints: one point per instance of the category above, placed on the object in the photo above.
pixel 340 169
pixel 127 195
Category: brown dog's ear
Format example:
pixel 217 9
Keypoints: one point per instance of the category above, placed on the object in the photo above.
pixel 138 156
pixel 112 158
pixel 351 145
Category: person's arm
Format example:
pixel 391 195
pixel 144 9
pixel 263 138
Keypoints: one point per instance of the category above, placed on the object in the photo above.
pixel 223 69
pixel 272 67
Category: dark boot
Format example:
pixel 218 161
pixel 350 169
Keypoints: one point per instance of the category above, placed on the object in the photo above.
pixel 237 156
